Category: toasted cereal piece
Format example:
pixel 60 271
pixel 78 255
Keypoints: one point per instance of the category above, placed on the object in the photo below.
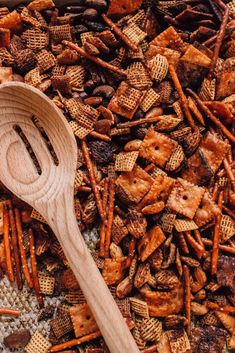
pixel 178 110
pixel 137 183
pixel 59 33
pixel 35 39
pixel 46 60
pixel 77 75
pixel 108 38
pixel 207 91
pixel 46 283
pixel 29 19
pixel 179 341
pixel 38 344
pixel 134 33
pixel 79 130
pixel 150 98
pixel 136 223
pixel 5 57
pixel 183 225
pixel 141 343
pixel 157 147
pixel 175 322
pixel 125 101
pixel 158 67
pixel 40 5
pixel 37 216
pixel 151 329
pixel 191 142
pixel 167 222
pixel 214 150
pixel 176 159
pixel 114 270
pixel 197 171
pixel 119 230
pixel 25 60
pixel 68 280
pixel 150 242
pixel 125 161
pixel 75 297
pixel 138 76
pixel 142 275
pixel 61 324
pixel 166 279
pixel 139 307
pixel 185 198
pixel 227 228
pixel 33 77
pixel 83 320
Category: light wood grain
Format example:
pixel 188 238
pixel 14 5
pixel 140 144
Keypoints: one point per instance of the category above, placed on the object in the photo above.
pixel 51 194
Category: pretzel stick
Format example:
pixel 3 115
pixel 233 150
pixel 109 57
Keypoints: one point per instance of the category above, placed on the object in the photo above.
pixel 110 215
pixel 229 172
pixel 182 97
pixel 75 342
pixel 6 311
pixel 96 60
pixel 183 244
pixel 100 136
pixel 218 43
pixel 187 291
pixel 103 224
pixel 151 349
pixel 22 249
pixel 229 212
pixel 86 338
pixel 33 261
pixel 199 250
pixel 83 188
pixel 226 248
pixel 91 172
pixel 120 34
pixel 221 4
pixel 226 308
pixel 216 236
pixel 199 238
pixel 211 116
pixel 139 122
pixel 7 244
pixel 215 192
pixel 15 249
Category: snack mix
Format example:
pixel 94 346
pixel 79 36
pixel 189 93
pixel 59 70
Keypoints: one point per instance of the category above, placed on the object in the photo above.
pixel 148 88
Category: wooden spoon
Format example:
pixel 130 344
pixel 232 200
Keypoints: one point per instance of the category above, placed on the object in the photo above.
pixel 48 188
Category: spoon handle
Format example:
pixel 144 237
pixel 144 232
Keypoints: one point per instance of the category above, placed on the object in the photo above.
pixel 107 315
